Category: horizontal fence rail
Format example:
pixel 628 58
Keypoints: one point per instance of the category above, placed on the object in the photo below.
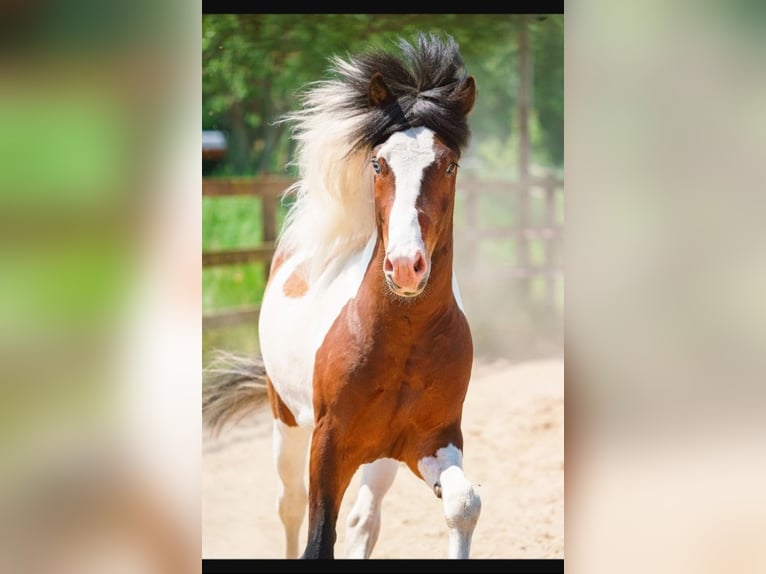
pixel 261 254
pixel 264 186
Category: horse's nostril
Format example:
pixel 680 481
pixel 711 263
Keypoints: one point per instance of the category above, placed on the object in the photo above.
pixel 419 264
pixel 388 267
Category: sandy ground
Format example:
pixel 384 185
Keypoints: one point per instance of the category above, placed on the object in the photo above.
pixel 513 426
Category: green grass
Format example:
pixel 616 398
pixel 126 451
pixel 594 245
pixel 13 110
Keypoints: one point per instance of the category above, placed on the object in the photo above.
pixel 229 222
pixel 232 286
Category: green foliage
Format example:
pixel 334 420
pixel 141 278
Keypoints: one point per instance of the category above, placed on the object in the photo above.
pixel 548 54
pixel 254 67
pixel 232 286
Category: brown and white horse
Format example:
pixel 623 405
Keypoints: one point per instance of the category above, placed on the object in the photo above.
pixel 366 347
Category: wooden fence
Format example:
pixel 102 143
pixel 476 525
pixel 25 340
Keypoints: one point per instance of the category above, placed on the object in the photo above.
pixel 514 198
pixel 268 190
pixel 508 196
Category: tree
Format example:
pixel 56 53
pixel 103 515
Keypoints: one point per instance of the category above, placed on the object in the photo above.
pixel 254 66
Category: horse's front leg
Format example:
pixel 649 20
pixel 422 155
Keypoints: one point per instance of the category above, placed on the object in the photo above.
pixel 331 468
pixel 444 473
pixel 364 517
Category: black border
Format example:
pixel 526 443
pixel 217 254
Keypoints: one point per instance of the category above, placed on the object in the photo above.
pixel 272 7
pixel 530 566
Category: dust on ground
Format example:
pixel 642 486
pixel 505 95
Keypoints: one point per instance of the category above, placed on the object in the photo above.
pixel 513 427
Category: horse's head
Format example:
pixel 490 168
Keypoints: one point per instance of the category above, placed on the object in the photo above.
pixel 415 174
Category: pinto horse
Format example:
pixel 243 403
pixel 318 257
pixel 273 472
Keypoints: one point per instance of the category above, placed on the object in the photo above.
pixel 366 348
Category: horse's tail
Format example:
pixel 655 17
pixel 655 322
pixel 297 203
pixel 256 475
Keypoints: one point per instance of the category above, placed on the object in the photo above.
pixel 233 387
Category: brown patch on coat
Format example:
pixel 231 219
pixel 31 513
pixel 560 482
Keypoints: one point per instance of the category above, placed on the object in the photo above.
pixel 296 285
pixel 278 408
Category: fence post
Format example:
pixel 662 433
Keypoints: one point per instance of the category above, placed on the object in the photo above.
pixel 269 224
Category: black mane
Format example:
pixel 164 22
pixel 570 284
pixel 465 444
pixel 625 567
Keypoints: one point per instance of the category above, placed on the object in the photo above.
pixel 425 78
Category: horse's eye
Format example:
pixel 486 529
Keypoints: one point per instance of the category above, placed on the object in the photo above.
pixel 375 165
pixel 452 168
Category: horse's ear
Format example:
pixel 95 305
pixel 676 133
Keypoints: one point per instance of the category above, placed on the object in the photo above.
pixel 378 92
pixel 467 95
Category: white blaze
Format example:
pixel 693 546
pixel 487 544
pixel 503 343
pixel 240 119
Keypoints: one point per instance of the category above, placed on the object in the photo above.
pixel 407 153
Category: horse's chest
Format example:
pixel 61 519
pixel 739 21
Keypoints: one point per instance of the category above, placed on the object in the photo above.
pixel 397 363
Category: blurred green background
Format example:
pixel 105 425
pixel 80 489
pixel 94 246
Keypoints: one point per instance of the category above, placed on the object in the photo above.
pixel 253 69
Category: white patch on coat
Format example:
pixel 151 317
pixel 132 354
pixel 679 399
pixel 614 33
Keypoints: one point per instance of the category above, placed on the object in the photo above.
pixel 363 523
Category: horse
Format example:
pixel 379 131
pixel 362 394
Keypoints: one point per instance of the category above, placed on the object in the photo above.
pixel 366 349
